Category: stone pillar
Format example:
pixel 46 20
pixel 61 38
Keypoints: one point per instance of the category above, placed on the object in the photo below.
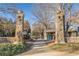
pixel 45 35
pixel 19 26
pixel 60 27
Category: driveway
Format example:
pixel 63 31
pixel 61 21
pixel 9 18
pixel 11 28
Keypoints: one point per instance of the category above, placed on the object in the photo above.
pixel 40 49
pixel 44 51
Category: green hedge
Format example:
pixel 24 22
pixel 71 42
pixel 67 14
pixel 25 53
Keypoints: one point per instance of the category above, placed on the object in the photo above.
pixel 12 49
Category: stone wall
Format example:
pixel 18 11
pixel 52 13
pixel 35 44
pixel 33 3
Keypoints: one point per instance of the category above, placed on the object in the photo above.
pixel 7 39
pixel 72 39
pixel 59 27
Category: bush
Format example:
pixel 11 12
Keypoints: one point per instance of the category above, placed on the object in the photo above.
pixel 12 49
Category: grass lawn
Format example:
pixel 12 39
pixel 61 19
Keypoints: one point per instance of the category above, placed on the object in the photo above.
pixel 70 48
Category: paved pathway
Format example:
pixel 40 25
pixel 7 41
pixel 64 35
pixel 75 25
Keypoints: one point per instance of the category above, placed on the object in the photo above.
pixel 41 52
pixel 39 49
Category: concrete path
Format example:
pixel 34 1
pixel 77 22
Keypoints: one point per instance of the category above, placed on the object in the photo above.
pixel 43 50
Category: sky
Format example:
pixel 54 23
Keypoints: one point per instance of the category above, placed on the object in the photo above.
pixel 26 7
pixel 27 11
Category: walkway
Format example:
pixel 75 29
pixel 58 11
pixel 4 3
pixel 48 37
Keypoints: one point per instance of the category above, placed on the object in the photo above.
pixel 43 50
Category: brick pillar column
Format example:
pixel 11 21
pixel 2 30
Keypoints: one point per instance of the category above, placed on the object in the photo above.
pixel 19 26
pixel 45 35
pixel 60 27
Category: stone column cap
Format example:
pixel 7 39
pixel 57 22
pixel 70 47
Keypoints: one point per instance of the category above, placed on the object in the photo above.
pixel 19 11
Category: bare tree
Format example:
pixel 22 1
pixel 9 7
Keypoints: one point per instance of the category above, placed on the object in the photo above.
pixel 37 30
pixel 43 13
pixel 67 19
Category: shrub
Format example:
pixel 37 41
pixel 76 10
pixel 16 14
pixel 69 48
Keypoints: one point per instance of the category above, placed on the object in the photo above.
pixel 12 49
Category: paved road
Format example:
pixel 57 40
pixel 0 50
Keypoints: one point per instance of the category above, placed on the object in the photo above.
pixel 43 51
pixel 38 43
pixel 40 48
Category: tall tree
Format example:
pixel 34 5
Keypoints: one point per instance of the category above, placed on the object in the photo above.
pixel 43 13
